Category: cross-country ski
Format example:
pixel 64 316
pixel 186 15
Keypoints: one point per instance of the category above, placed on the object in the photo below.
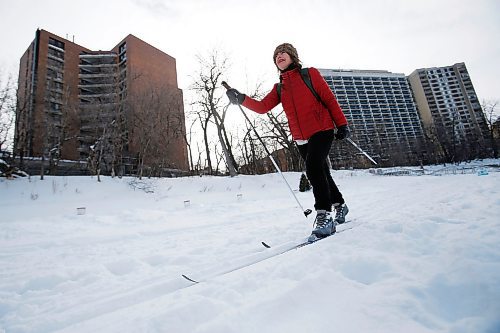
pixel 312 239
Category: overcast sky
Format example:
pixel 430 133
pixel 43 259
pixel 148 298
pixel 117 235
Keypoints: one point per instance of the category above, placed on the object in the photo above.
pixel 395 35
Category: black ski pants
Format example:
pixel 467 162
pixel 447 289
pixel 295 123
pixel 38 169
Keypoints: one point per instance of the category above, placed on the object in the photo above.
pixel 315 152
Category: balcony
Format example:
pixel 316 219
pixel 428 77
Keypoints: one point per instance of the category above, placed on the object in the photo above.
pixel 97 55
pixel 95 75
pixel 53 112
pixel 97 85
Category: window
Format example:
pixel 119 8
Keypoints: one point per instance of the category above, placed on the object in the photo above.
pixel 54 75
pixel 54 85
pixel 56 53
pixel 122 48
pixel 55 106
pixel 56 43
pixel 55 64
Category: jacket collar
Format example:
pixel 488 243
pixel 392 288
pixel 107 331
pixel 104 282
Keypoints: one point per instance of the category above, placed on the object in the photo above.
pixel 289 72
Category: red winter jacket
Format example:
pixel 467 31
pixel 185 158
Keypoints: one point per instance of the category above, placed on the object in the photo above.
pixel 306 115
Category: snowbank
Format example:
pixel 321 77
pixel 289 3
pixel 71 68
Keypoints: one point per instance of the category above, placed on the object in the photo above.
pixel 421 254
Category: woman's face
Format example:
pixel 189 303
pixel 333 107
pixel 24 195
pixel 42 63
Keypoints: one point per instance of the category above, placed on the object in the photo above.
pixel 283 60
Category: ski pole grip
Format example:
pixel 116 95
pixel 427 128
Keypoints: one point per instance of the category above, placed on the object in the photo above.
pixel 225 85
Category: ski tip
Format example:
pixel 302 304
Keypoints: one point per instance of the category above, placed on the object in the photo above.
pixel 312 239
pixel 189 279
pixel 268 246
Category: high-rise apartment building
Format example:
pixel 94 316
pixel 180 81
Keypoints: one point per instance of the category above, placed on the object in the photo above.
pixel 449 107
pixel 120 108
pixel 381 112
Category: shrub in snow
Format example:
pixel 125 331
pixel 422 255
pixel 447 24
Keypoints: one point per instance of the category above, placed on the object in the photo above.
pixel 304 184
pixel 10 172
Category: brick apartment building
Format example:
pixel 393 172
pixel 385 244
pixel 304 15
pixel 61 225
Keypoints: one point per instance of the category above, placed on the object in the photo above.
pixel 119 109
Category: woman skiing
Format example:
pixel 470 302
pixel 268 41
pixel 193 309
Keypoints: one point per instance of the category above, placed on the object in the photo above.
pixel 313 113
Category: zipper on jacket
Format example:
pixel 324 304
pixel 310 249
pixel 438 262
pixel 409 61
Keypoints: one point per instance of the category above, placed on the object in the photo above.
pixel 295 111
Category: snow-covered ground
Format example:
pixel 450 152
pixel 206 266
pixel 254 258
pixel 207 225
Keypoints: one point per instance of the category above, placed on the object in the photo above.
pixel 421 254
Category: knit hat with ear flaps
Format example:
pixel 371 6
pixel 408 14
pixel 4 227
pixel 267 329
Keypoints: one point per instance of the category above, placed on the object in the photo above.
pixel 288 48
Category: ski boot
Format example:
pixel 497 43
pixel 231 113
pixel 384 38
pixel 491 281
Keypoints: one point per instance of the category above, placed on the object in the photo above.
pixel 341 211
pixel 325 226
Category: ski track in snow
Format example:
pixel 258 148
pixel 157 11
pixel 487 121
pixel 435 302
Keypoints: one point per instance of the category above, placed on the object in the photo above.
pixel 423 255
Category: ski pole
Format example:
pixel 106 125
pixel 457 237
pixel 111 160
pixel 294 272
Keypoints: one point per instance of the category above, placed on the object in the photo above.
pixel 307 211
pixel 361 150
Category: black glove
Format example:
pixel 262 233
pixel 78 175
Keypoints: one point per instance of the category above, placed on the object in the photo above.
pixel 342 132
pixel 235 97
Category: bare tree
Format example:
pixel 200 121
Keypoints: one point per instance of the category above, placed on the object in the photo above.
pixel 208 106
pixel 204 120
pixel 155 126
pixel 277 128
pixel 64 118
pixel 7 112
pixel 188 137
pixel 146 123
pixel 492 115
pixel 198 166
pixel 96 153
pixel 20 129
pixel 219 158
pixel 248 152
pixel 255 154
pixel 59 115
